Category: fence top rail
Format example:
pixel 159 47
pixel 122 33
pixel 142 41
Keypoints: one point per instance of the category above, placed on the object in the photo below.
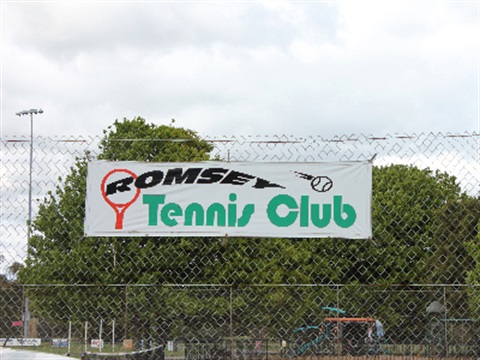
pixel 401 286
pixel 349 320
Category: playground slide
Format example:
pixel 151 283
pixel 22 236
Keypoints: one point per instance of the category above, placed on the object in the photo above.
pixel 319 338
pixel 309 344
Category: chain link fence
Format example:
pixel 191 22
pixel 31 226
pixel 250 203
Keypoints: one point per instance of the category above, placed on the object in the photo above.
pixel 411 291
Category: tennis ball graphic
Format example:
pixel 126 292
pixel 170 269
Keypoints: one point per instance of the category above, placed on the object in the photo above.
pixel 318 183
pixel 321 183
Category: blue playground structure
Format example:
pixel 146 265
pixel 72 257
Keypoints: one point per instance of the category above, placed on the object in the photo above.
pixel 340 334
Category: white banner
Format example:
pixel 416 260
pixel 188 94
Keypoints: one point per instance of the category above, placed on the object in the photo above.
pixel 59 342
pixel 229 199
pixel 96 343
pixel 29 342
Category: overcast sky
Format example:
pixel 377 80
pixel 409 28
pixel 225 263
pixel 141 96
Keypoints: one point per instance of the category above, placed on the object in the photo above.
pixel 255 68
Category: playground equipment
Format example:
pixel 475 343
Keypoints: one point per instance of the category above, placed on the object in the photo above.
pixel 447 336
pixel 347 335
pixel 452 337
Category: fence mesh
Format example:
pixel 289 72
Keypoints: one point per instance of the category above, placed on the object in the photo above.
pixel 416 281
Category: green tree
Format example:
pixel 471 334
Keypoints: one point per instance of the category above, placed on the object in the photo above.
pixel 13 269
pixel 137 140
pixel 3 277
pixel 406 212
pixel 11 299
pixel 59 254
pixel 407 202
pixel 457 226
pixel 473 276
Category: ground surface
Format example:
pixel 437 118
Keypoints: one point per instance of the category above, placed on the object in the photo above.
pixel 11 354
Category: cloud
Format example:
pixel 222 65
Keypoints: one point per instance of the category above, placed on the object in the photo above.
pixel 67 29
pixel 221 68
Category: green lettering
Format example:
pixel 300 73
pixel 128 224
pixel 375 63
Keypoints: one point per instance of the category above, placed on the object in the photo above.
pixel 344 215
pixel 194 209
pixel 153 202
pixel 319 221
pixel 195 214
pixel 304 210
pixel 275 203
pixel 246 215
pixel 168 212
pixel 216 210
pixel 232 210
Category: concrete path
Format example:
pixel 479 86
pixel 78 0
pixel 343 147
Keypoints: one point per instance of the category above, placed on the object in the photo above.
pixel 11 354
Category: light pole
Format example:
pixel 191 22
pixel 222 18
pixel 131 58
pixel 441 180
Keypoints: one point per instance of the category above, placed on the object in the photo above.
pixel 26 315
pixel 30 112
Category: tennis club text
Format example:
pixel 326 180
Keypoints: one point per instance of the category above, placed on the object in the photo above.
pixel 282 211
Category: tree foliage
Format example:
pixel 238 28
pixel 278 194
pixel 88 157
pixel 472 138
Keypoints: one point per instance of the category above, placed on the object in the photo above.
pixel 60 254
pixel 412 210
pixel 137 140
pixel 473 275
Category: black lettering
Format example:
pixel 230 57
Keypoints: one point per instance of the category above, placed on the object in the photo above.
pixel 119 185
pixel 177 176
pixel 149 179
pixel 262 184
pixel 211 175
pixel 237 178
pixel 189 176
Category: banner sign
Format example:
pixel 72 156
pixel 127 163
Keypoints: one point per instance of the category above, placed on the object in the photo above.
pixel 96 343
pixel 229 199
pixel 29 342
pixel 59 342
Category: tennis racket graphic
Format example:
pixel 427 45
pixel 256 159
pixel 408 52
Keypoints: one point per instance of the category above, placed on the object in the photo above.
pixel 120 205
